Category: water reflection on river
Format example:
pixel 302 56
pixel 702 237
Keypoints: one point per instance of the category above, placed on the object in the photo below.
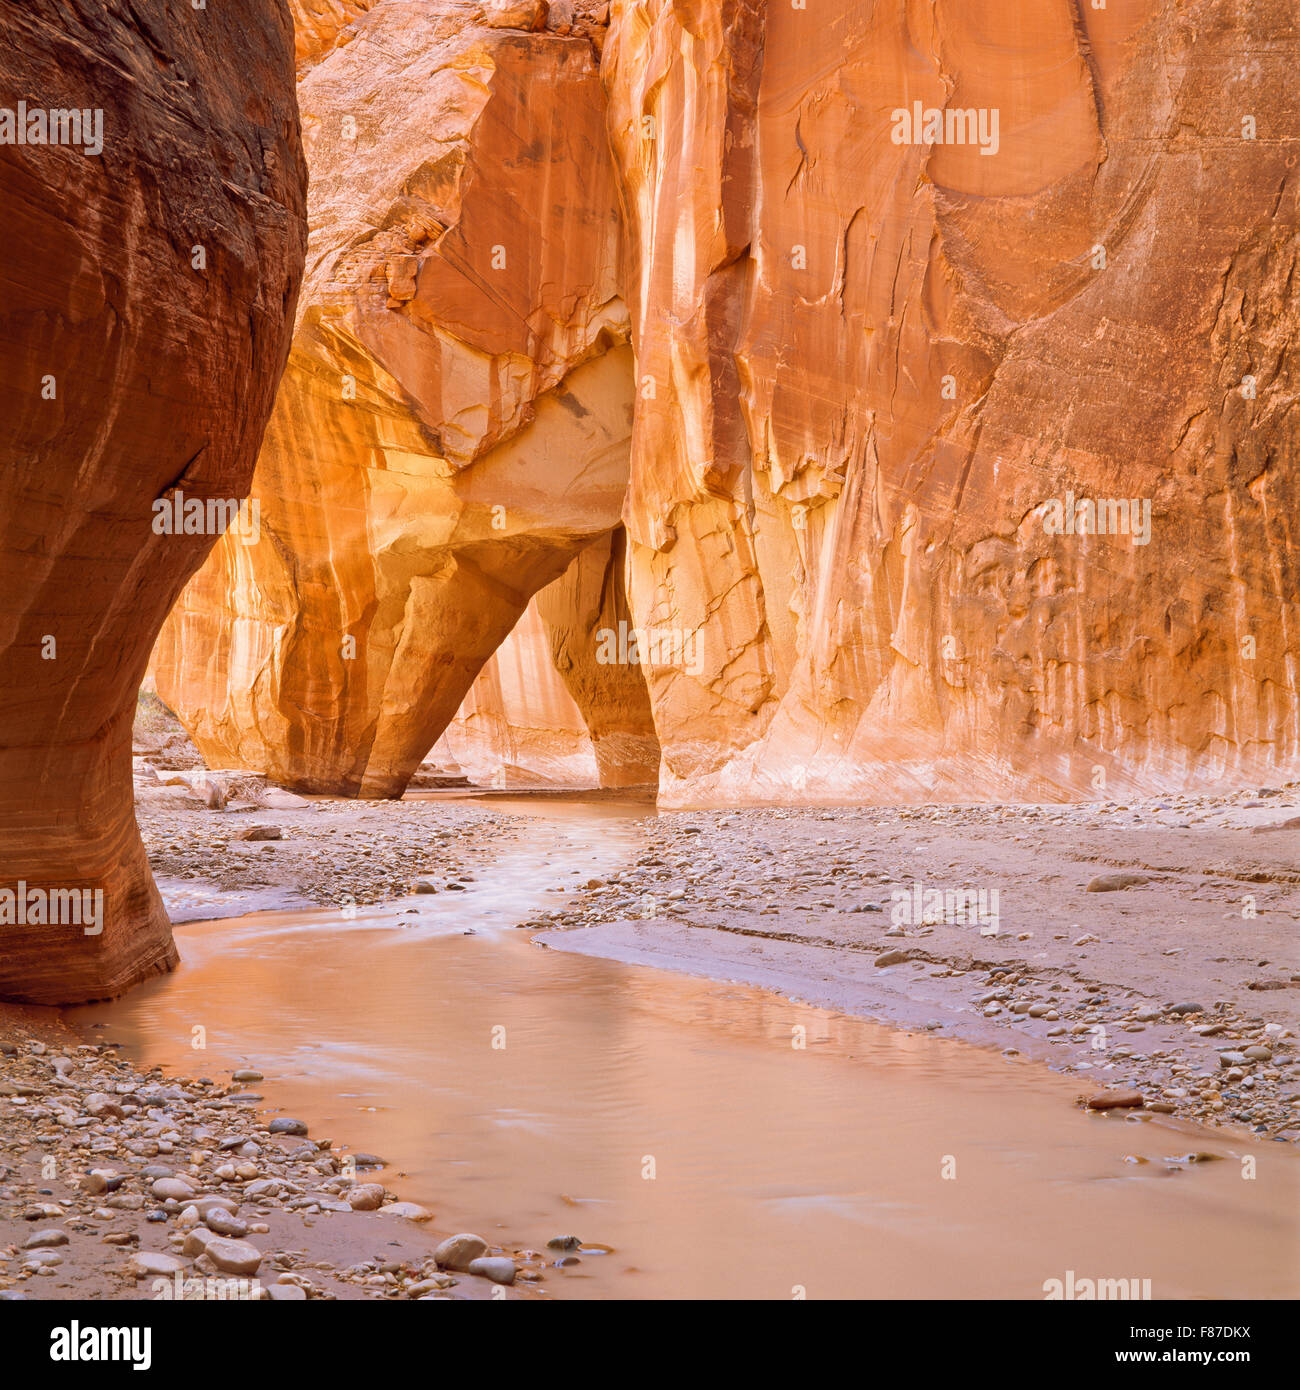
pixel 526 1093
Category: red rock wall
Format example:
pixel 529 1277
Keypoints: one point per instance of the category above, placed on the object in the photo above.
pixel 125 373
pixel 453 426
pixel 865 367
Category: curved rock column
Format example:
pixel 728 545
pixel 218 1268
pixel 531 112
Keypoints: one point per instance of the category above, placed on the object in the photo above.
pixel 146 298
pixel 602 658
pixel 454 424
pixel 563 699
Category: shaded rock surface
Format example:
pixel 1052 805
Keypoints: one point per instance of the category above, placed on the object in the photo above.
pixel 146 300
pixel 550 704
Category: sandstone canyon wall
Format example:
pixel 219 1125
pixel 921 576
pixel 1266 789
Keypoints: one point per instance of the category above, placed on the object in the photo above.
pixel 132 369
pixel 866 367
pixel 906 282
pixel 454 424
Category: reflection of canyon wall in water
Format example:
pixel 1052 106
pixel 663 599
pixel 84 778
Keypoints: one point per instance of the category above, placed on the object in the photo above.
pixel 132 367
pixel 873 364
pixel 868 358
pixel 454 422
pixel 545 707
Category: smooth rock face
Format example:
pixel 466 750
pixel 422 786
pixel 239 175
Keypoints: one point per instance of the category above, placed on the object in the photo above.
pixel 867 368
pixel 454 424
pixel 126 375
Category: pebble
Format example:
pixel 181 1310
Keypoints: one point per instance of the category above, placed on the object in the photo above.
pixel 97 1105
pixel 1113 883
pixel 366 1196
pixel 100 1180
pixel 177 1189
pixel 457 1252
pixel 233 1256
pixel 50 1236
pixel 262 832
pixel 412 1211
pixel 1115 1100
pixel 495 1267
pixel 223 1223
pixel 893 958
pixel 147 1262
pixel 428 1285
pixel 282 1124
pixel 203 1205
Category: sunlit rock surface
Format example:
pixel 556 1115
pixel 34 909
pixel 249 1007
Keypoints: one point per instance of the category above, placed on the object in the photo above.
pixel 546 707
pixel 909 285
pixel 454 424
pixel 318 25
pixel 866 367
pixel 131 368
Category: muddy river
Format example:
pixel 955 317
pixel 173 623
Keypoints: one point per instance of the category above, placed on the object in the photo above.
pixel 720 1140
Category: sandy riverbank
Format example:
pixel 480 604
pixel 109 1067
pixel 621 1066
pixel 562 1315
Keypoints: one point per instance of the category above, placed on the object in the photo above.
pixel 1146 948
pixel 1182 985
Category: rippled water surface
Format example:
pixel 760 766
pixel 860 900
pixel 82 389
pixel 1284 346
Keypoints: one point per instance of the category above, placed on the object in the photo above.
pixel 525 1093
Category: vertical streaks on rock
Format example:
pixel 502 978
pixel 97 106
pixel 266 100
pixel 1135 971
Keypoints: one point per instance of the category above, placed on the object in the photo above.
pixel 1064 273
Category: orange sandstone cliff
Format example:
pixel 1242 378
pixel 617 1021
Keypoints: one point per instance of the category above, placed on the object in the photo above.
pixel 454 424
pixel 963 454
pixel 908 281
pixel 146 301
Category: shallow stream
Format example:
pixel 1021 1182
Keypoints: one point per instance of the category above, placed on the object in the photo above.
pixel 691 1125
